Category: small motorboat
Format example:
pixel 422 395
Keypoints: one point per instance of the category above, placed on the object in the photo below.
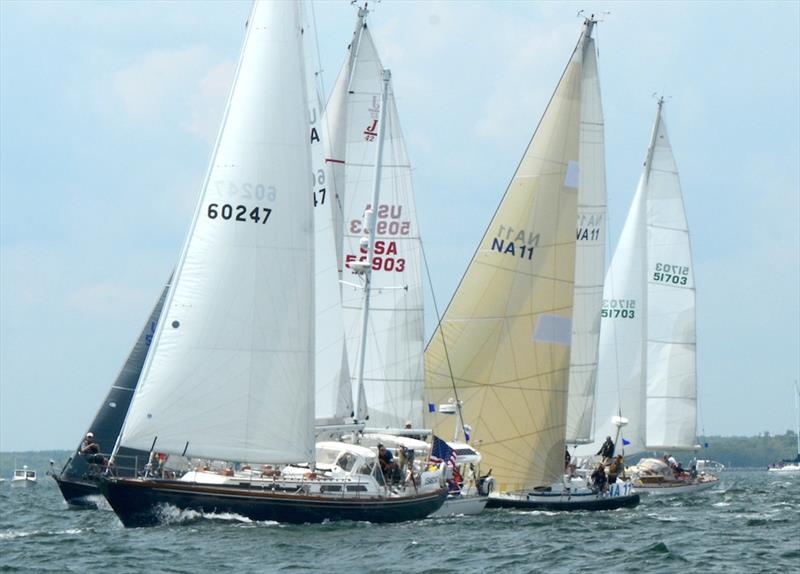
pixel 23 477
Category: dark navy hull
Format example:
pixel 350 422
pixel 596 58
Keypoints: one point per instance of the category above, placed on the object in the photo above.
pixel 562 503
pixel 78 493
pixel 139 503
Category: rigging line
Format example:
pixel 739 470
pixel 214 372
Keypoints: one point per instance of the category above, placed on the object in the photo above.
pixel 444 342
pixel 319 55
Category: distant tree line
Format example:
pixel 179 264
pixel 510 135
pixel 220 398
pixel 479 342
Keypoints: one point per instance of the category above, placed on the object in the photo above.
pixel 732 451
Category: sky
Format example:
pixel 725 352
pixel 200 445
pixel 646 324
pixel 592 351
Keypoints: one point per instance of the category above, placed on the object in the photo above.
pixel 109 110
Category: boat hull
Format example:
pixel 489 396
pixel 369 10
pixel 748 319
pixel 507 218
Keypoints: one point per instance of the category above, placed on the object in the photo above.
pixel 461 505
pixel 23 483
pixel 563 502
pixel 672 488
pixel 141 502
pixel 789 469
pixel 78 493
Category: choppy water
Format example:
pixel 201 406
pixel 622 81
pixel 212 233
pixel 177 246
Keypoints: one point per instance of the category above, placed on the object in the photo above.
pixel 750 523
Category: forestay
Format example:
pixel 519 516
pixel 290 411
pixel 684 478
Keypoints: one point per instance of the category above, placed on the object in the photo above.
pixel 393 357
pixel 508 327
pixel 231 373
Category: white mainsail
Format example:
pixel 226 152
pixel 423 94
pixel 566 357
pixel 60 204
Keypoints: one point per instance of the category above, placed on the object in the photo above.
pixel 393 373
pixel 507 331
pixel 334 398
pixel 648 339
pixel 589 252
pixel 231 372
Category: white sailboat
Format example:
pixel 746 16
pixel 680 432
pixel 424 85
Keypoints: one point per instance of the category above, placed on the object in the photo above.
pixel 230 376
pixel 790 466
pixel 504 340
pixel 382 301
pixel 648 342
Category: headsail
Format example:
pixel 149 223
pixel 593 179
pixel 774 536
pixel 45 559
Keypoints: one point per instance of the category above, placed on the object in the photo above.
pixel 111 414
pixel 648 344
pixel 393 357
pixel 589 252
pixel 231 372
pixel 508 327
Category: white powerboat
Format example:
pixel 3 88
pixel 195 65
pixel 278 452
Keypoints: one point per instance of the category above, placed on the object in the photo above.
pixel 23 477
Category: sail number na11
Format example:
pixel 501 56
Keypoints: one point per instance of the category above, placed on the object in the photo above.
pixel 244 213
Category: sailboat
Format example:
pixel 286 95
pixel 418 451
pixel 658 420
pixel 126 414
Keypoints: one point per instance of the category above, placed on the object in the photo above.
pixel 230 376
pixel 383 301
pixel 504 341
pixel 78 479
pixel 648 343
pixel 790 466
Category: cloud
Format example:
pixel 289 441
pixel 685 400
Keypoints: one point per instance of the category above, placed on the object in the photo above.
pixel 182 89
pixel 206 105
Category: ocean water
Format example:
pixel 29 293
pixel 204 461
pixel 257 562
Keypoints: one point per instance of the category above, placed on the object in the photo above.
pixel 749 523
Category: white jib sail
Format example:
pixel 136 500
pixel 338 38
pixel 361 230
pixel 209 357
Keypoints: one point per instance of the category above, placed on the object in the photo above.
pixel 334 400
pixel 671 339
pixel 620 385
pixel 508 326
pixel 393 374
pixel 231 374
pixel 589 253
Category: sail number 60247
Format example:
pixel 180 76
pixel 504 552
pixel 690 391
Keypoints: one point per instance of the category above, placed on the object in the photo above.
pixel 230 212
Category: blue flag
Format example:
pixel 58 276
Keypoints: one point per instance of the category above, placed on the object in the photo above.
pixel 431 408
pixel 625 442
pixel 441 452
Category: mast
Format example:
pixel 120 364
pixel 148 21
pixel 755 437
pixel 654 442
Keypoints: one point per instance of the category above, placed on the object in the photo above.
pixel 371 216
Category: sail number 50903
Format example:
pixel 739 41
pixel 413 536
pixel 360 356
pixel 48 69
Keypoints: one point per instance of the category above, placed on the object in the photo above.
pixel 230 212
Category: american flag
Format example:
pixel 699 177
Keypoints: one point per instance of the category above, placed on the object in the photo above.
pixel 441 452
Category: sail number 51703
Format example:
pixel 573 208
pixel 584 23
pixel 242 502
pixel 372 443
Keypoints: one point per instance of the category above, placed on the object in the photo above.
pixel 230 212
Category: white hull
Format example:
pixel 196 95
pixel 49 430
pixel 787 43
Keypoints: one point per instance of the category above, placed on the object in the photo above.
pixel 788 469
pixel 458 505
pixel 671 488
pixel 23 482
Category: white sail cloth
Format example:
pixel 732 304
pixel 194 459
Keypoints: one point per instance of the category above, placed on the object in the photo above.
pixel 393 373
pixel 648 339
pixel 231 372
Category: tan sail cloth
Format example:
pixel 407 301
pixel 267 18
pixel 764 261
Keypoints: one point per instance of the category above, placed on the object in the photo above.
pixel 508 327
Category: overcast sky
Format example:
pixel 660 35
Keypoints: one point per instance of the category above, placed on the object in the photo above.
pixel 108 112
